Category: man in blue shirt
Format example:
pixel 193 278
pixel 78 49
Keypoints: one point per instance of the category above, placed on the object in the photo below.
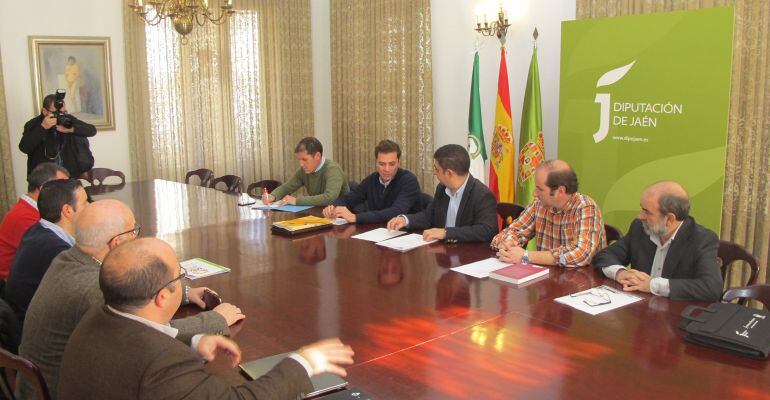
pixel 60 202
pixel 389 192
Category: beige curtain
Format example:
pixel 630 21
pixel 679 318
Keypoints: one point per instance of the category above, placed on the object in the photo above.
pixel 746 212
pixel 381 84
pixel 7 187
pixel 229 99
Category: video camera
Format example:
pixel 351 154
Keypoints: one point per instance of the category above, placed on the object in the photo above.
pixel 62 118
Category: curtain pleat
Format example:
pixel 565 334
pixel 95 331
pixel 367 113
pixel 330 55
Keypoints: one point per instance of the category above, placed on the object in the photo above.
pixel 232 98
pixel 382 84
pixel 7 186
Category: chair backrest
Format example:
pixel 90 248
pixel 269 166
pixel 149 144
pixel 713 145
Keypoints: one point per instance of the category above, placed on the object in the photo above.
pixel 203 174
pixel 760 293
pixel 96 176
pixel 425 199
pixel 730 252
pixel 256 188
pixel 612 233
pixel 508 212
pixel 352 185
pixel 233 183
pixel 25 367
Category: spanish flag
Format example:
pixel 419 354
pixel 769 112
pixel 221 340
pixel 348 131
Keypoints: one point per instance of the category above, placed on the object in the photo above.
pixel 501 171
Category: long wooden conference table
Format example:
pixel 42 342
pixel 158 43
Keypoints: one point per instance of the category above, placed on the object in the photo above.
pixel 422 331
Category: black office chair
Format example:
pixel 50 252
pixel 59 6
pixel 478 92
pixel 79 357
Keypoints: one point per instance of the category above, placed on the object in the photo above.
pixel 205 176
pixel 233 183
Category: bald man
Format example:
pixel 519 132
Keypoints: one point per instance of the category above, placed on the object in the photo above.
pixel 567 226
pixel 669 254
pixel 127 350
pixel 71 287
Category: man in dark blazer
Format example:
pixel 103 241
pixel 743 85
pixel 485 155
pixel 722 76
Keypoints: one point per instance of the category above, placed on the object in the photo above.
pixel 60 202
pixel 669 253
pixel 126 349
pixel 45 141
pixel 463 209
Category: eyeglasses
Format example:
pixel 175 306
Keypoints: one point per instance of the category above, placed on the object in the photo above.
pixel 595 297
pixel 182 275
pixel 137 228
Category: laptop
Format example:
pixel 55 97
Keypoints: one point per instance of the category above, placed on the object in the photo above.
pixel 323 383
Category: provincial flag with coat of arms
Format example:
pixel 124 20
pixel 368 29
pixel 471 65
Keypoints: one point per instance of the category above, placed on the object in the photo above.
pixel 531 145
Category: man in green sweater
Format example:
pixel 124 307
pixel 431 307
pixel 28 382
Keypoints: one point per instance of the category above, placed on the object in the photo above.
pixel 323 179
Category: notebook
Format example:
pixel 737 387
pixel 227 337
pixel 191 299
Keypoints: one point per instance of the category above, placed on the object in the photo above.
pixel 300 225
pixel 519 273
pixel 322 383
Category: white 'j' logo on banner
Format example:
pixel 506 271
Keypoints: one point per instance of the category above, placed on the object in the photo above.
pixel 603 99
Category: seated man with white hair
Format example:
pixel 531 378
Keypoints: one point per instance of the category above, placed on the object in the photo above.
pixel 667 253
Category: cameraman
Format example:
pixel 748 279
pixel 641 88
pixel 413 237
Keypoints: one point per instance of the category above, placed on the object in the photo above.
pixel 45 141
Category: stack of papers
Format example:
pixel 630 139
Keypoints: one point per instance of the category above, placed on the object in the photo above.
pixel 199 268
pixel 598 300
pixel 378 235
pixel 405 243
pixel 481 269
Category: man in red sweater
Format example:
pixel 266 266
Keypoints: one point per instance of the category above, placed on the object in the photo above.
pixel 24 213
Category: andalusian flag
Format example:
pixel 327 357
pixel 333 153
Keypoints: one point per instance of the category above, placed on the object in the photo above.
pixel 531 146
pixel 476 147
pixel 503 151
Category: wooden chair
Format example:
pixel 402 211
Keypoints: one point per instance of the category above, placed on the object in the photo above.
pixel 203 174
pixel 256 188
pixel 96 176
pixel 612 233
pixel 508 212
pixel 25 367
pixel 730 252
pixel 760 293
pixel 352 185
pixel 233 183
pixel 425 199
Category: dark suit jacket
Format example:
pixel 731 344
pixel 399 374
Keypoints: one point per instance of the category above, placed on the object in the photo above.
pixel 112 357
pixel 39 246
pixel 690 266
pixel 36 142
pixel 476 217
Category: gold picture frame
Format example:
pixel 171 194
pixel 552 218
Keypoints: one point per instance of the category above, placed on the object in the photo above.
pixel 81 66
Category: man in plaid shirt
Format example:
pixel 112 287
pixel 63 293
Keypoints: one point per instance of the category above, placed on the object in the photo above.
pixel 567 226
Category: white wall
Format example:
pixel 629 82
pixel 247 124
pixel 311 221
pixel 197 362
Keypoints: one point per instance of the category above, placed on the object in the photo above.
pixel 452 34
pixel 322 74
pixel 18 20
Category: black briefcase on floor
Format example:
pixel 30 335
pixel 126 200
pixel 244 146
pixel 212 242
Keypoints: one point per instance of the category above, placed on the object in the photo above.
pixel 731 327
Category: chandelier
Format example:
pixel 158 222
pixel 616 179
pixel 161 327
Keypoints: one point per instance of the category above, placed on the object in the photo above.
pixel 183 13
pixel 497 28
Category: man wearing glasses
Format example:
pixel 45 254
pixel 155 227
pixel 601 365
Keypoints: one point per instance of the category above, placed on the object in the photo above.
pixel 128 350
pixel 71 287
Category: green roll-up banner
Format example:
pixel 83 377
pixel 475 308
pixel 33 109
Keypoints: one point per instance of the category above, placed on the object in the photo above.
pixel 646 98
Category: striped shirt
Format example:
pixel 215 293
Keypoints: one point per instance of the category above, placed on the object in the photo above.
pixel 573 234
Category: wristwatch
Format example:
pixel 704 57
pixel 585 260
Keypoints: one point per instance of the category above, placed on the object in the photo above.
pixel 525 257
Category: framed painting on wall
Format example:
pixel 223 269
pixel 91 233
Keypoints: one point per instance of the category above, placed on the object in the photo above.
pixel 79 65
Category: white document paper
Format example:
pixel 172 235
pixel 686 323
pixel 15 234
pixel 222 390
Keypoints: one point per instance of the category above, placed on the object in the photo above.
pixel 259 205
pixel 481 269
pixel 583 300
pixel 378 235
pixel 199 268
pixel 405 243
